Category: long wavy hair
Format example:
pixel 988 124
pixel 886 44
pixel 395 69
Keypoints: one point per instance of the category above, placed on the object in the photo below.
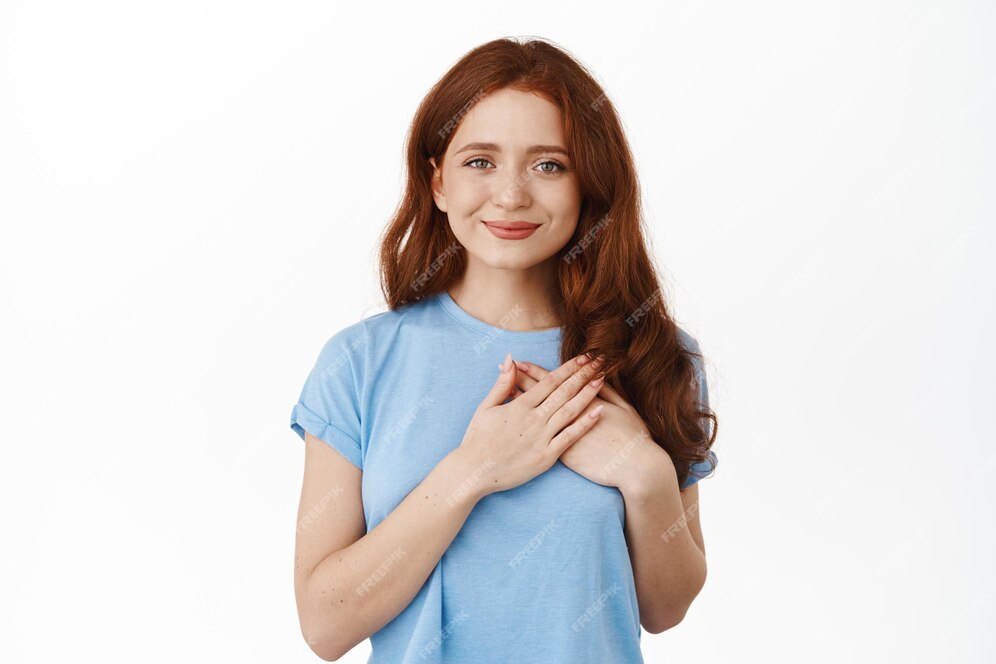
pixel 610 291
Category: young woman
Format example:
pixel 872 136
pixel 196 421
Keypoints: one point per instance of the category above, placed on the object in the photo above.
pixel 541 511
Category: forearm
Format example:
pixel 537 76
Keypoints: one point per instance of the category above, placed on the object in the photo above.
pixel 355 591
pixel 669 568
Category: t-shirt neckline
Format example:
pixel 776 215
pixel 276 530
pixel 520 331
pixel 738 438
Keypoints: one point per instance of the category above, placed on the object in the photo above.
pixel 477 325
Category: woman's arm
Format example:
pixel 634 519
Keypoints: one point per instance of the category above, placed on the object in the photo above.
pixel 665 542
pixel 350 584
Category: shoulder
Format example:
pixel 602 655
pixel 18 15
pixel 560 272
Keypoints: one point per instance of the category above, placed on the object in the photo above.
pixel 352 343
pixel 689 342
pixel 339 349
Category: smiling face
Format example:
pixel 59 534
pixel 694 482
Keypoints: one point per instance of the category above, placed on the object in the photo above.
pixel 507 163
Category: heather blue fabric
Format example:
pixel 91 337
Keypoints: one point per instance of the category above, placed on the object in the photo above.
pixel 538 573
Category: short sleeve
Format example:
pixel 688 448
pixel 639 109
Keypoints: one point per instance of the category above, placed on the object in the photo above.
pixel 328 407
pixel 700 469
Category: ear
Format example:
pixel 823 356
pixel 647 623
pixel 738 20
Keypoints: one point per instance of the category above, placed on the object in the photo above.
pixel 437 185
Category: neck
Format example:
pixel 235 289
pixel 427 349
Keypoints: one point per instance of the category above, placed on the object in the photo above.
pixel 514 300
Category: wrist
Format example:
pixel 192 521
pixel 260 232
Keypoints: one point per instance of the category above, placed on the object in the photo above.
pixel 651 472
pixel 466 477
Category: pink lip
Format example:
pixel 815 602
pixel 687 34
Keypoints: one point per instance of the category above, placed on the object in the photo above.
pixel 502 223
pixel 511 230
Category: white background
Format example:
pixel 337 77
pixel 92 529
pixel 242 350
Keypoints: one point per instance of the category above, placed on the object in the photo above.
pixel 191 194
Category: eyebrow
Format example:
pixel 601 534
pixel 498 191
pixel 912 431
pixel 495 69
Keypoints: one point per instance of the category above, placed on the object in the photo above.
pixel 532 149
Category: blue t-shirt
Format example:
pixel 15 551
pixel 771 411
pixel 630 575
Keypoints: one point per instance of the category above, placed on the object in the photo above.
pixel 538 573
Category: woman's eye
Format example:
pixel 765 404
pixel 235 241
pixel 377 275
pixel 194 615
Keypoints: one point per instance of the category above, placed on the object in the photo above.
pixel 477 159
pixel 559 167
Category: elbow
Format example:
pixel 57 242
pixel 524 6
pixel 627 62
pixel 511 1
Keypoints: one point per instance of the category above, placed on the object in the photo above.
pixel 664 620
pixel 324 635
pixel 323 645
pixel 322 628
pixel 662 624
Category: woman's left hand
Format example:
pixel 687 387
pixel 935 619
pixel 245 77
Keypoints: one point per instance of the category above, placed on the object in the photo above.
pixel 618 449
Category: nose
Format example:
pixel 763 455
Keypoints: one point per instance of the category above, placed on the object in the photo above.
pixel 512 190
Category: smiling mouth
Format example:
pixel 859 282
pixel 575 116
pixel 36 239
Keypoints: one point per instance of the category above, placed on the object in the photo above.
pixel 511 230
pixel 512 225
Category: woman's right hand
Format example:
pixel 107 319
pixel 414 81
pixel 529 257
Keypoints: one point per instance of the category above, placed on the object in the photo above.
pixel 508 444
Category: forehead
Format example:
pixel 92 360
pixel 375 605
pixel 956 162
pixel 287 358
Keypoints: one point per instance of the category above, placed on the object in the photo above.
pixel 513 119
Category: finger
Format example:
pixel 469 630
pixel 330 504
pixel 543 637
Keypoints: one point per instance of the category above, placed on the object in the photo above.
pixel 567 389
pixel 542 390
pixel 609 393
pixel 574 431
pixel 503 386
pixel 518 392
pixel 523 381
pixel 576 405
pixel 534 371
pixel 530 373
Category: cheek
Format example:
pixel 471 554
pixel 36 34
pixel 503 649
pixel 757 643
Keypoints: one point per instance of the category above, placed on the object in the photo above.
pixel 467 191
pixel 563 201
pixel 565 227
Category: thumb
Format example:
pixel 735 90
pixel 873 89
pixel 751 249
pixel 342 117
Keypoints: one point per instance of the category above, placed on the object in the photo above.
pixel 504 384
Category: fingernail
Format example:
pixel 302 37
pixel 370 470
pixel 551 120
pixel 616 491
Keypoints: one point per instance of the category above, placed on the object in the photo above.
pixel 523 366
pixel 596 411
pixel 598 381
pixel 506 364
pixel 583 359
